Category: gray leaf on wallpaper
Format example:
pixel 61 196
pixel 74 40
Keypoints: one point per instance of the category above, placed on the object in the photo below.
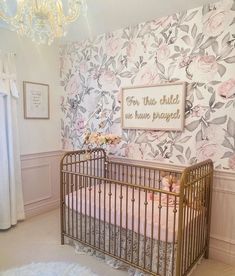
pixel 142 138
pixel 188 153
pixel 160 67
pixel 199 136
pixel 218 105
pixel 194 30
pixel 193 125
pixel 219 121
pixel 191 15
pixel 187 40
pixel 230 59
pixel 225 40
pixel 199 94
pixel 181 159
pixel 185 139
pixel 179 148
pixel 184 28
pixel 227 154
pixel 212 99
pixel 221 69
pixel 207 43
pixel 231 127
pixel 215 47
pixel 227 144
pixel 198 40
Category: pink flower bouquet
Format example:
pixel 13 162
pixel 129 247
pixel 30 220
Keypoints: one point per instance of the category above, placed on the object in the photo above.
pixel 98 139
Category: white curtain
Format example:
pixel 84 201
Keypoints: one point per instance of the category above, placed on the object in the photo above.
pixel 11 196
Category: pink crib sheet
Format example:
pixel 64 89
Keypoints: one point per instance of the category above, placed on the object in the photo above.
pixel 107 210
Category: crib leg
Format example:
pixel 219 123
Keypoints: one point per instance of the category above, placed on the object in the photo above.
pixel 62 239
pixel 206 255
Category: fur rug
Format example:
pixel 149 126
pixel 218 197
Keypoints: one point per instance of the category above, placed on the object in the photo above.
pixel 49 269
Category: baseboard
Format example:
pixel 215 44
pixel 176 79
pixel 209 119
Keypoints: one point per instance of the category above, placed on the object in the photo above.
pixel 222 254
pixel 39 209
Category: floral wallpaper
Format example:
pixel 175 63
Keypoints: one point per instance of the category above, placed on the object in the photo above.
pixel 196 46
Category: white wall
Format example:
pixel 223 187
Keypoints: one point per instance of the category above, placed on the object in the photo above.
pixel 36 63
pixel 39 139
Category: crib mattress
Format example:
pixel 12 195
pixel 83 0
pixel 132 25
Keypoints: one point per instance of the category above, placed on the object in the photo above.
pixel 99 205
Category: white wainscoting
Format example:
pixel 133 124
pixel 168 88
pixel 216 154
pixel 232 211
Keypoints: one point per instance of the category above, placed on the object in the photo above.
pixel 41 188
pixel 41 181
pixel 222 237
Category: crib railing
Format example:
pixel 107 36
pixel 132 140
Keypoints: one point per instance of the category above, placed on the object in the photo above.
pixel 120 210
pixel 194 216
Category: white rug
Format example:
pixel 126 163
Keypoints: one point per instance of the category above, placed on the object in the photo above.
pixel 49 269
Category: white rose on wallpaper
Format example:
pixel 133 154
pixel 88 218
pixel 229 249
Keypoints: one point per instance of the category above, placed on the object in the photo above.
pixel 146 42
pixel 83 67
pixel 147 75
pixel 131 49
pixel 79 125
pixel 113 46
pixel 216 21
pixel 107 79
pixel 231 162
pixel 203 68
pixel 163 52
pixel 227 89
pixel 73 85
pixel 208 150
pixel 133 151
pixel 214 133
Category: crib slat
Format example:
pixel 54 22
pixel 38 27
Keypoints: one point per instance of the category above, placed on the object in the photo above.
pixel 126 248
pixel 132 224
pixel 173 244
pixel 145 226
pixel 159 231
pixel 152 229
pixel 166 238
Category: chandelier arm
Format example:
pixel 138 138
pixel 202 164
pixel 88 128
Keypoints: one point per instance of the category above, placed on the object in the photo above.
pixel 74 11
pixel 14 18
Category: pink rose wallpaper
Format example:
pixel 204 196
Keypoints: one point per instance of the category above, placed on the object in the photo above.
pixel 196 46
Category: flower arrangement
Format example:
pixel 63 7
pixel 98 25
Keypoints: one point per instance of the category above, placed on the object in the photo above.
pixel 98 139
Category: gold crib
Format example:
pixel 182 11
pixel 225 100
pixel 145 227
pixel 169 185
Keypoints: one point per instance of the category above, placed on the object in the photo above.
pixel 123 211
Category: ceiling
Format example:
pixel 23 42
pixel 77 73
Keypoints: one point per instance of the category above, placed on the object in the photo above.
pixel 108 15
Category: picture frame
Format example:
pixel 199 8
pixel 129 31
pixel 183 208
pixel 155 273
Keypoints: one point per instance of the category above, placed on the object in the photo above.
pixel 36 100
pixel 155 107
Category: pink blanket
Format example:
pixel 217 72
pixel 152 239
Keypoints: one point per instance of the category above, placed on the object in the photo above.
pixel 124 208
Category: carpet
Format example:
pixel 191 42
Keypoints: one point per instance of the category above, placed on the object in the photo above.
pixel 49 269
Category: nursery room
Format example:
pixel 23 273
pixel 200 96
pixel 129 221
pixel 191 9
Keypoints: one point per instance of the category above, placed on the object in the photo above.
pixel 117 137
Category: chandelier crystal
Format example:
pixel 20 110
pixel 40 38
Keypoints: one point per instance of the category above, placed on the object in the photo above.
pixel 41 20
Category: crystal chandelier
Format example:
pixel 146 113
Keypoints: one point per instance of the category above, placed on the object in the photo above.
pixel 41 20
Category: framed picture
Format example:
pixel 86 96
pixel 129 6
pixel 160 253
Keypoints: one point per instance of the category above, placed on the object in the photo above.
pixel 158 107
pixel 36 100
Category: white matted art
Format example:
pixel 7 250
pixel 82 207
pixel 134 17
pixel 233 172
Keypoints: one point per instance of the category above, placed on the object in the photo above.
pixel 36 100
pixel 159 107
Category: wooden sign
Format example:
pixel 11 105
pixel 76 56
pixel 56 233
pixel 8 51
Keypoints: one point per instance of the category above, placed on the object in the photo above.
pixel 160 107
